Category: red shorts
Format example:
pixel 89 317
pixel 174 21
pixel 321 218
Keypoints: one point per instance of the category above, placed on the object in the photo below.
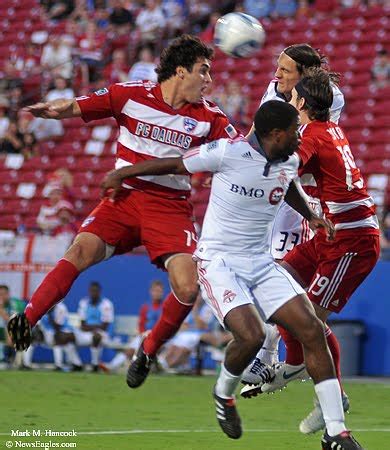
pixel 332 271
pixel 137 218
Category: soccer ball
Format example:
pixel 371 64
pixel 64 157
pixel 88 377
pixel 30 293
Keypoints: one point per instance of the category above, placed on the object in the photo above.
pixel 239 35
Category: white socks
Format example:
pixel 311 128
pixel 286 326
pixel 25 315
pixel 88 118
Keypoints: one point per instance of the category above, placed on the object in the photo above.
pixel 226 383
pixel 329 396
pixel 57 353
pixel 269 352
pixel 95 355
pixel 28 355
pixel 71 354
pixel 118 360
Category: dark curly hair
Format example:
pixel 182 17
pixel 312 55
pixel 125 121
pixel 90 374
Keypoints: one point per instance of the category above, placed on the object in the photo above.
pixel 315 87
pixel 183 51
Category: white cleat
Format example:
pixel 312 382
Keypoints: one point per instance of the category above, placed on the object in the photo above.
pixel 315 420
pixel 284 373
pixel 254 377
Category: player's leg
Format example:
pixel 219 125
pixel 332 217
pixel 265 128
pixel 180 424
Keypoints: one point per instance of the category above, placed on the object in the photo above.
pixel 173 250
pixel 98 236
pixel 298 316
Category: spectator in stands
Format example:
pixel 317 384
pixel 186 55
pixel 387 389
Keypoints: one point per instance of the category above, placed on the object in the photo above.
pixel 148 316
pixel 15 98
pixel 8 306
pixel 4 120
pixel 14 141
pixel 258 9
pixel 181 346
pixel 27 60
pixel 173 11
pixel 120 18
pixel 198 15
pixel 151 22
pixel 57 57
pixel 60 90
pixel 234 104
pixel 63 178
pixel 284 8
pixel 48 218
pixel 67 223
pixel 57 9
pixel 91 52
pixel 97 318
pixel 59 335
pixel 144 68
pixel 116 71
pixel 101 18
pixel 381 69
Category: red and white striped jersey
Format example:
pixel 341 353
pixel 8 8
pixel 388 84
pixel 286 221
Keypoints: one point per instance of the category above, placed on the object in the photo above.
pixel 326 154
pixel 149 128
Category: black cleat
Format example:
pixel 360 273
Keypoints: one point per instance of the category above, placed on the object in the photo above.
pixel 227 416
pixel 139 368
pixel 342 441
pixel 19 331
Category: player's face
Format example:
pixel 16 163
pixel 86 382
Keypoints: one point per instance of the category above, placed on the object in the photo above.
pixel 287 74
pixel 197 82
pixel 288 141
pixel 156 292
pixel 298 104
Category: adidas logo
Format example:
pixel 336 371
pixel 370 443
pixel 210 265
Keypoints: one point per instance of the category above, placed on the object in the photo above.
pixel 247 155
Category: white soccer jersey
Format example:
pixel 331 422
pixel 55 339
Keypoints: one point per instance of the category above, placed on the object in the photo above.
pixel 245 195
pixel 335 111
pixel 290 228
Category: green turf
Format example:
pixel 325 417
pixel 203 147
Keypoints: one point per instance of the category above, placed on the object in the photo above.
pixel 90 402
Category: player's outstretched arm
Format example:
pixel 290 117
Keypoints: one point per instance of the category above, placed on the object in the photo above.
pixel 57 109
pixel 162 166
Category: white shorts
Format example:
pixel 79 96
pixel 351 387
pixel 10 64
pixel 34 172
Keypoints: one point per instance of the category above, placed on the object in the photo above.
pixel 186 339
pixel 84 338
pixel 229 282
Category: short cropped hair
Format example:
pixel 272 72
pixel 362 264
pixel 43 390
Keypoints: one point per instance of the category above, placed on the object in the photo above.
pixel 315 87
pixel 95 284
pixel 183 51
pixel 272 115
pixel 157 283
pixel 4 286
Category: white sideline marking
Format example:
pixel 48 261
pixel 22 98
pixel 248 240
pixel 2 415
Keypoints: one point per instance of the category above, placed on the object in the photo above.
pixel 259 430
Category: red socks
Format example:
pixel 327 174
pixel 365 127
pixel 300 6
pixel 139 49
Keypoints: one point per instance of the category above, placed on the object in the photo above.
pixel 334 348
pixel 173 315
pixel 53 288
pixel 294 350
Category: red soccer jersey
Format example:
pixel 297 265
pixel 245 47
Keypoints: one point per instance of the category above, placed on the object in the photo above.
pixel 326 154
pixel 150 128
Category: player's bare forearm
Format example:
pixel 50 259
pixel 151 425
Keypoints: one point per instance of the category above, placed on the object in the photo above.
pixel 162 166
pixel 294 198
pixel 57 109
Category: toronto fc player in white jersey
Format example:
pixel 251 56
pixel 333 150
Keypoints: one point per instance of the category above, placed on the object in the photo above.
pixel 289 228
pixel 155 120
pixel 239 279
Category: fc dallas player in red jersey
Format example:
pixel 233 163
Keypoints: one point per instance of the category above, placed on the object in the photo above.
pixel 331 271
pixel 155 120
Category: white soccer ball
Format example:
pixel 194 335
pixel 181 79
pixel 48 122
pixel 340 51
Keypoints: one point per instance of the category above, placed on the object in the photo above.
pixel 239 35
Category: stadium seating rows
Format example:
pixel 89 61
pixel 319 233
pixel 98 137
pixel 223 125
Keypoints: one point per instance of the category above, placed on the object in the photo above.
pixel 351 39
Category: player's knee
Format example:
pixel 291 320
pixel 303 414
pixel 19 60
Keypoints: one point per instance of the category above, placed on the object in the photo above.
pixel 251 339
pixel 313 332
pixel 187 293
pixel 83 255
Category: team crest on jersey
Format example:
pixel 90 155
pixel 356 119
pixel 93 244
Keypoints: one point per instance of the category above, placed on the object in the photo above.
pixel 228 296
pixel 190 124
pixel 87 221
pixel 276 195
pixel 101 91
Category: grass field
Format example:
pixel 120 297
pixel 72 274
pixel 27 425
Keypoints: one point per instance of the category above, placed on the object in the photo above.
pixel 171 412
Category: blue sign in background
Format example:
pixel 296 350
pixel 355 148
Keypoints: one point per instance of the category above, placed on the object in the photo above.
pixel 125 280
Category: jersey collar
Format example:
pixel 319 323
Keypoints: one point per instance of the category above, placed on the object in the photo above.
pixel 253 141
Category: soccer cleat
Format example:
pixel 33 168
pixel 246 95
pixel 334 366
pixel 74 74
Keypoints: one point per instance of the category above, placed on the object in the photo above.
pixel 139 367
pixel 257 373
pixel 284 373
pixel 315 420
pixel 19 331
pixel 342 441
pixel 227 416
pixel 254 377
